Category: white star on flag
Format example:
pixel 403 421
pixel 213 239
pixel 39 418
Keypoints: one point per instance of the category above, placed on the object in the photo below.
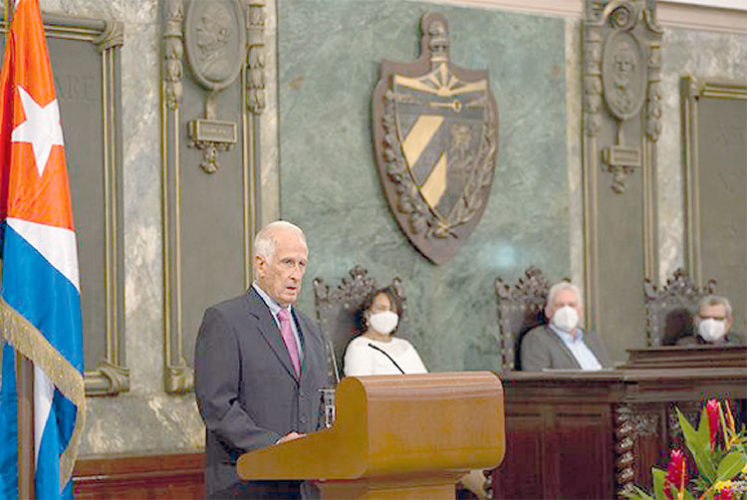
pixel 41 129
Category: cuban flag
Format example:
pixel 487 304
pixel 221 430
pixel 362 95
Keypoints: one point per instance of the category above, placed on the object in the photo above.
pixel 40 313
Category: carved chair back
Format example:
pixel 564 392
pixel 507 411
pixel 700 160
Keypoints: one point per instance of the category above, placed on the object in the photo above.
pixel 337 308
pixel 520 308
pixel 670 309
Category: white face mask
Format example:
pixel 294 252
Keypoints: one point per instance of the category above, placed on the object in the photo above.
pixel 384 322
pixel 565 318
pixel 711 329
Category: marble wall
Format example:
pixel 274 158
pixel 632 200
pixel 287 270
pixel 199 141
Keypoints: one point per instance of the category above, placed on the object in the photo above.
pixel 328 55
pixel 713 57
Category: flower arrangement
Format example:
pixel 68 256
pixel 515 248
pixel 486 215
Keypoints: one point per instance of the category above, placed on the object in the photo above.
pixel 719 451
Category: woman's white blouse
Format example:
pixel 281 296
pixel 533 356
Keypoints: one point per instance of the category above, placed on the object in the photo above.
pixel 362 359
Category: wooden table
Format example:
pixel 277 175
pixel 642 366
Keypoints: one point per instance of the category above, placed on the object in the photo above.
pixel 574 434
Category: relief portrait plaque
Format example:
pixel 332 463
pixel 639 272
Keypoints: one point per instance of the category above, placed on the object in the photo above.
pixel 215 37
pixel 436 142
pixel 623 75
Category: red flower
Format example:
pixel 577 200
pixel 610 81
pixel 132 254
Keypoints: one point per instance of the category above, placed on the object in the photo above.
pixel 712 410
pixel 724 495
pixel 676 475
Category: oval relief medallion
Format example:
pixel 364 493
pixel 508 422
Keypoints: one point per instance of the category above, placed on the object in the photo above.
pixel 623 70
pixel 215 39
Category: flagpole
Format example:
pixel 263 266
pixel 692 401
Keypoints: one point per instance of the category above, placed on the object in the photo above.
pixel 25 388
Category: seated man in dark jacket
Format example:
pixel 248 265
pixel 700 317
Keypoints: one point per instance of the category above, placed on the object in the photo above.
pixel 562 344
pixel 712 324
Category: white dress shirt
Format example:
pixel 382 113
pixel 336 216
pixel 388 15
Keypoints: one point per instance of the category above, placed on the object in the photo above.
pixel 578 348
pixel 362 359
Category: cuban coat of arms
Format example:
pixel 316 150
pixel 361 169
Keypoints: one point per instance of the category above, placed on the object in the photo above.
pixel 436 143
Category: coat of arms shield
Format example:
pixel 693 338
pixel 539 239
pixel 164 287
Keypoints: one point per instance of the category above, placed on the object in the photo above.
pixel 436 143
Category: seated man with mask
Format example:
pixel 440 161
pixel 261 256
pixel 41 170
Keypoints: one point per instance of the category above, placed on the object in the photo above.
pixel 562 344
pixel 712 324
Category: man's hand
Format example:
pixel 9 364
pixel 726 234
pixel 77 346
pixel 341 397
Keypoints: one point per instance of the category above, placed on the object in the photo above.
pixel 289 437
pixel 476 482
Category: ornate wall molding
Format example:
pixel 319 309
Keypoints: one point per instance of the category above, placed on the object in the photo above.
pixel 110 376
pixel 220 39
pixel 621 122
pixel 724 17
pixel 215 42
pixel 621 68
pixel 693 89
pixel 173 48
pixel 255 34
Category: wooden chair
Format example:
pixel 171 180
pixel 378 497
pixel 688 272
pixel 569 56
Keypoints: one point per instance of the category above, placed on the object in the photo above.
pixel 336 310
pixel 670 309
pixel 520 308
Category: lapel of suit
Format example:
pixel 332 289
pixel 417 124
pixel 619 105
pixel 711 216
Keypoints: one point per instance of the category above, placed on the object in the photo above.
pixel 269 330
pixel 560 344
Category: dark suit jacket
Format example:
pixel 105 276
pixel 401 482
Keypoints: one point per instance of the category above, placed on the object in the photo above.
pixel 247 391
pixel 542 349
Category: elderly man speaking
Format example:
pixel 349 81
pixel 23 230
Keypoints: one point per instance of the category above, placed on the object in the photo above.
pixel 562 344
pixel 259 365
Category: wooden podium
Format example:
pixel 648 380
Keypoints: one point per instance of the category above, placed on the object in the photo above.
pixel 395 436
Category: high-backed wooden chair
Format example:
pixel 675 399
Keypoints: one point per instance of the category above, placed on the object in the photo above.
pixel 336 310
pixel 520 308
pixel 670 309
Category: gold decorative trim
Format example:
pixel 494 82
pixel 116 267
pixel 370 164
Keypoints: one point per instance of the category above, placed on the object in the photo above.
pixel 111 375
pixel 254 74
pixel 255 57
pixel 178 375
pixel 621 15
pixel 113 36
pixel 671 13
pixel 30 342
pixel 692 89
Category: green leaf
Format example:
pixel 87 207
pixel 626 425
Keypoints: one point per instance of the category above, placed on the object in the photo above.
pixel 699 444
pixel 731 465
pixel 659 476
pixel 635 493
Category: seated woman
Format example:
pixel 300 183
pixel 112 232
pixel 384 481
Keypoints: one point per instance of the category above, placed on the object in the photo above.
pixel 378 352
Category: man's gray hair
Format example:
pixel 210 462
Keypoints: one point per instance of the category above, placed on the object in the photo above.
pixel 562 286
pixel 264 242
pixel 715 300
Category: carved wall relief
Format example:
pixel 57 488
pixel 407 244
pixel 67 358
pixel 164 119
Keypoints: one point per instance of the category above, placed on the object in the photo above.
pixel 622 65
pixel 209 220
pixel 214 36
pixel 436 142
pixel 621 124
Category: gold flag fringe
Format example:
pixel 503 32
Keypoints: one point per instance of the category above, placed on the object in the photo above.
pixel 30 342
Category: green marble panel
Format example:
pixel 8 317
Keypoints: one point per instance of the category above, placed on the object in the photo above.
pixel 328 54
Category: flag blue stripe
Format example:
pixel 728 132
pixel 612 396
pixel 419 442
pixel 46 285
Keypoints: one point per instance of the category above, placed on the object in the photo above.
pixel 43 295
pixel 47 475
pixel 8 427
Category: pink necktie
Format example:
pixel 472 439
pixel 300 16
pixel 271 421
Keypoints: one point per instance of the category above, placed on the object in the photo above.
pixel 289 339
